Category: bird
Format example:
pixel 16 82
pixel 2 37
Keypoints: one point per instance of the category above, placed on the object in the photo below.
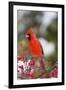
pixel 35 47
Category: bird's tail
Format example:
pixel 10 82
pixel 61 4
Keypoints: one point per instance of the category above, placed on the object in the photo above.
pixel 42 65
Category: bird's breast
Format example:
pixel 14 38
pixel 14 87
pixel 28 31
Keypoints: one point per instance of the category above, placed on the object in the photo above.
pixel 35 48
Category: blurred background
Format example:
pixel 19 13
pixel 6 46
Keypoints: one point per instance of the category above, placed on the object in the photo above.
pixel 45 26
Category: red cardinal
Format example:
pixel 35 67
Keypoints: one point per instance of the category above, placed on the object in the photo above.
pixel 35 47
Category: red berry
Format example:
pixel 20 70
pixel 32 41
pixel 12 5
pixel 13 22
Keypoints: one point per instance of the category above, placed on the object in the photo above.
pixel 32 74
pixel 52 73
pixel 56 70
pixel 32 63
pixel 27 75
pixel 19 58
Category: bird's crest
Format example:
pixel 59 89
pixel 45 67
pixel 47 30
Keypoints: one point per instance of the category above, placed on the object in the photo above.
pixel 30 31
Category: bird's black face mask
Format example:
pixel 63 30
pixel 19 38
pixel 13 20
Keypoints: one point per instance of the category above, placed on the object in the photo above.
pixel 28 36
